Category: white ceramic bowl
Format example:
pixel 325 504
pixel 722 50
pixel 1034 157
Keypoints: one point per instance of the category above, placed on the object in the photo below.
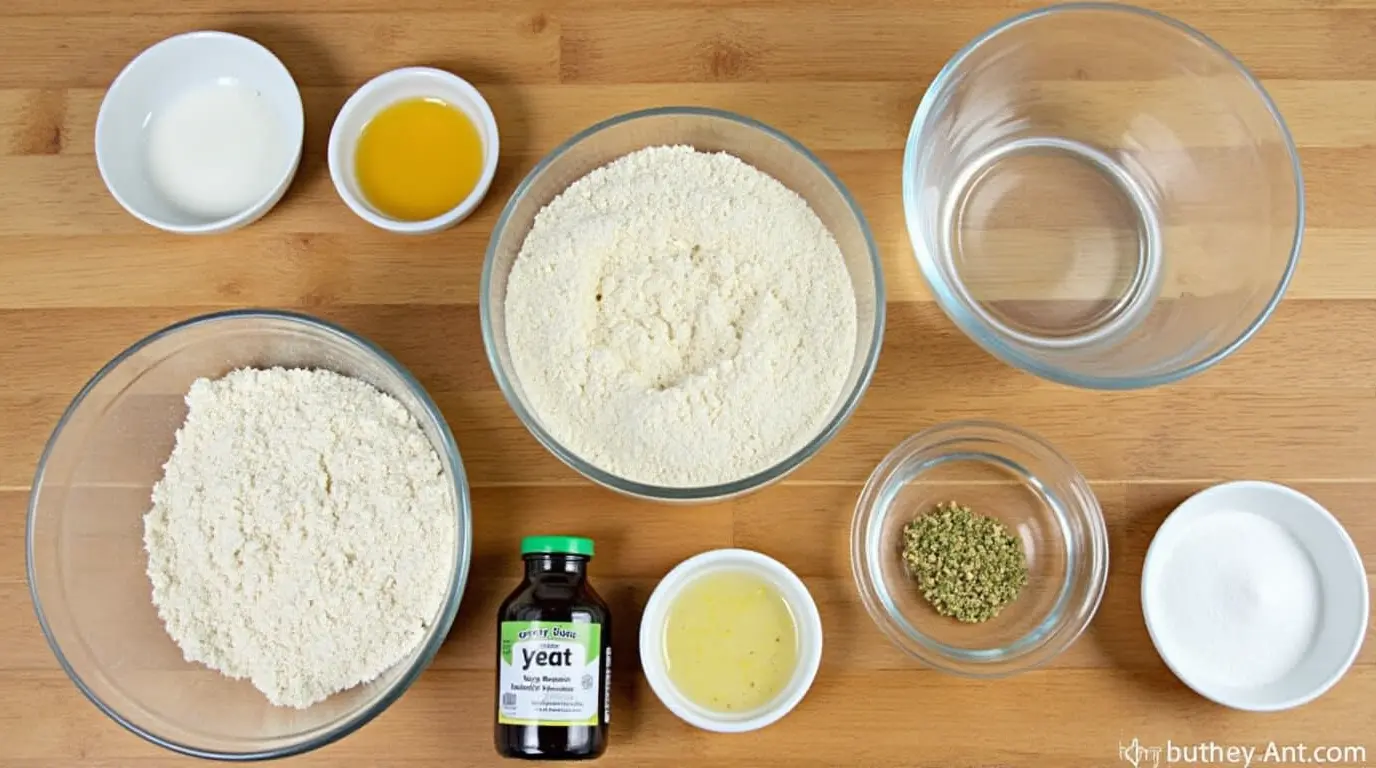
pixel 804 613
pixel 155 79
pixel 387 89
pixel 1344 608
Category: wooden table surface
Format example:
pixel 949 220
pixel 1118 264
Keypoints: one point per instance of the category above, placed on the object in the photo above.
pixel 80 280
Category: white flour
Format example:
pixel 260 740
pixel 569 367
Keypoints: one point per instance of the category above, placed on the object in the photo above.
pixel 680 318
pixel 303 532
pixel 1239 601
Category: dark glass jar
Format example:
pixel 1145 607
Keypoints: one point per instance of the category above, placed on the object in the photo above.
pixel 554 657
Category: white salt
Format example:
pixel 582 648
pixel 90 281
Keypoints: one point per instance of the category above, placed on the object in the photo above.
pixel 217 150
pixel 1239 601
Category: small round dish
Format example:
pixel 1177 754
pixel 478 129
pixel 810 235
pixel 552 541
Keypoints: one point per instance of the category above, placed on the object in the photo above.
pixel 1017 478
pixel 383 91
pixel 1341 580
pixel 152 83
pixel 800 603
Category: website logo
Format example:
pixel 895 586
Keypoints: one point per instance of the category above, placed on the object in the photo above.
pixel 1139 756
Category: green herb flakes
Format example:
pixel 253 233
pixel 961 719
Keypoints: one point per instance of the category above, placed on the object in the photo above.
pixel 968 566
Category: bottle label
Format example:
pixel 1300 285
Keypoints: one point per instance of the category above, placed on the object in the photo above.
pixel 548 673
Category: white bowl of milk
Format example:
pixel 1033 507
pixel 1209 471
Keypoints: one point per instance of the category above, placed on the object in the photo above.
pixel 1255 596
pixel 201 133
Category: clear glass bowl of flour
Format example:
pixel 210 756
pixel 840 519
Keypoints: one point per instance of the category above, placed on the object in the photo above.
pixel 706 130
pixel 86 559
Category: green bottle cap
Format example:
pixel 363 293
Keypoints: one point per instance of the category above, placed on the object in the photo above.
pixel 557 545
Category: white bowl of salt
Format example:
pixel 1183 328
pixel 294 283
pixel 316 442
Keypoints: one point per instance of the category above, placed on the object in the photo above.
pixel 1255 596
pixel 201 133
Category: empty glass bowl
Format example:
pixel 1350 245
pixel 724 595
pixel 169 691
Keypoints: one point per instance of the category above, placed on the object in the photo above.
pixel 1102 196
pixel 708 130
pixel 1001 472
pixel 87 566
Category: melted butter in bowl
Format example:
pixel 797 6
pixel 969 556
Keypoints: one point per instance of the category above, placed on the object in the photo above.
pixel 414 150
pixel 418 158
pixel 731 640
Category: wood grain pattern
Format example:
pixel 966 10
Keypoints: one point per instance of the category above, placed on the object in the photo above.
pixel 80 280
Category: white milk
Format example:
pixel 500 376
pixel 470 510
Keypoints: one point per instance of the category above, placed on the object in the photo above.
pixel 216 150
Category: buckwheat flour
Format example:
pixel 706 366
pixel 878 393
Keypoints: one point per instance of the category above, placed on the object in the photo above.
pixel 302 535
pixel 680 318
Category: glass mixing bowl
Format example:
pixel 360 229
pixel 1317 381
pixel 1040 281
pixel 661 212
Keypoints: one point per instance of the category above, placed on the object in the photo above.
pixel 1017 478
pixel 708 130
pixel 1102 196
pixel 86 562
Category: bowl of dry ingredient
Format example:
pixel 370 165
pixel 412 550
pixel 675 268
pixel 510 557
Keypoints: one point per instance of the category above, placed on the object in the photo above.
pixel 979 549
pixel 248 535
pixel 682 304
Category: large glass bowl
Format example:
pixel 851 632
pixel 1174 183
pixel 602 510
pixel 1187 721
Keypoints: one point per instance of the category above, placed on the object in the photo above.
pixel 707 130
pixel 87 566
pixel 1102 196
pixel 1001 472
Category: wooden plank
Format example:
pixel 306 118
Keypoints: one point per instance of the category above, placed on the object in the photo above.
pixel 916 332
pixel 266 269
pixel 307 8
pixel 1299 412
pixel 69 199
pixel 969 728
pixel 754 44
pixel 823 115
pixel 337 48
pixel 270 268
pixel 13 516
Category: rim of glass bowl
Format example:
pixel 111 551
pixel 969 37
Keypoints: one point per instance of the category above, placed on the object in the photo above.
pixel 707 492
pixel 1065 622
pixel 463 552
pixel 980 331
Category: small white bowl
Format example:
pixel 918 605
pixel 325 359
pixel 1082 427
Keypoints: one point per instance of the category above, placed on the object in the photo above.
pixel 804 613
pixel 1344 608
pixel 151 82
pixel 387 89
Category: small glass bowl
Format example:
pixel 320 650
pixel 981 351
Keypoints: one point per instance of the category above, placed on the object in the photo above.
pixel 1016 477
pixel 708 130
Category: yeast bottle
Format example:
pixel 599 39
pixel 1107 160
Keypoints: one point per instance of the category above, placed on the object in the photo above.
pixel 554 657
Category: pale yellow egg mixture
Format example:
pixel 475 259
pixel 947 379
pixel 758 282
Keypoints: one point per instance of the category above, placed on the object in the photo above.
pixel 730 641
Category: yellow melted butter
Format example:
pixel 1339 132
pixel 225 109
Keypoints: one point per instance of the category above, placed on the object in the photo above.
pixel 730 642
pixel 418 158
